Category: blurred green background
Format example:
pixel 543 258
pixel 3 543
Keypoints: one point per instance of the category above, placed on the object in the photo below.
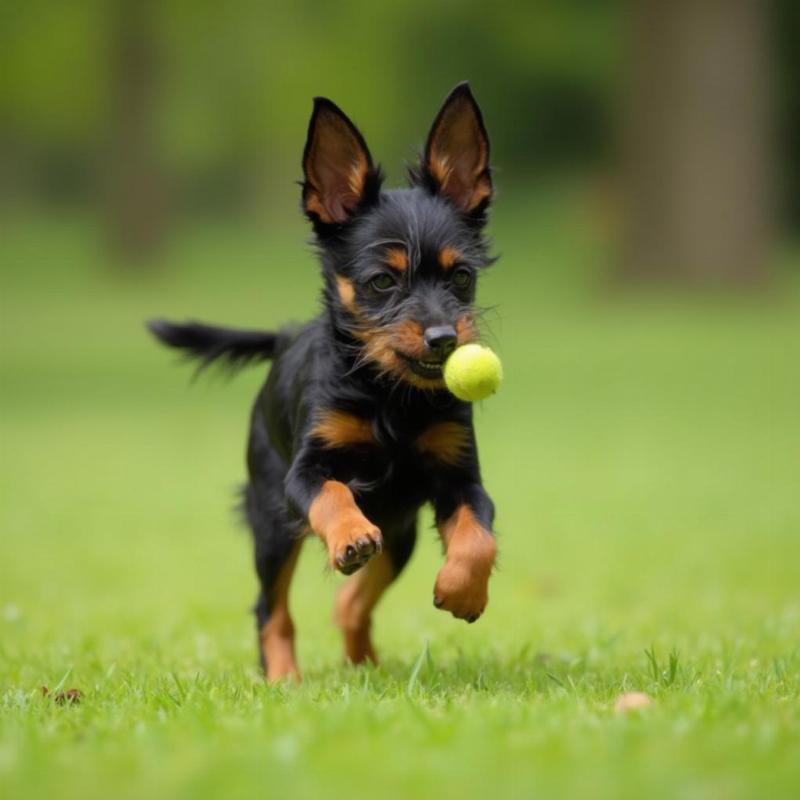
pixel 643 452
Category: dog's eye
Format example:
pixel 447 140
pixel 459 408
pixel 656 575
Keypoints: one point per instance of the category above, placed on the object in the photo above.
pixel 462 278
pixel 382 282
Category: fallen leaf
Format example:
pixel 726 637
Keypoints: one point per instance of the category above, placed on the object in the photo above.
pixel 632 701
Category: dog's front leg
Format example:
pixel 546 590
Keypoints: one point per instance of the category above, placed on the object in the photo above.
pixel 464 516
pixel 331 511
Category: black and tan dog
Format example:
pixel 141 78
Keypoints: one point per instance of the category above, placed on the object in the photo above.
pixel 354 429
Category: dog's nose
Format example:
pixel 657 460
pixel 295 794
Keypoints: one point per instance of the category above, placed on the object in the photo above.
pixel 441 339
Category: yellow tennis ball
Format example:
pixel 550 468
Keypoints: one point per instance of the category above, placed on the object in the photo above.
pixel 473 372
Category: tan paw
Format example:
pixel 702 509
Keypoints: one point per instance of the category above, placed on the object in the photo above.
pixel 461 590
pixel 353 542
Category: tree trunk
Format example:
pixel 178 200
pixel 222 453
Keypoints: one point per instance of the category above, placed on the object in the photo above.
pixel 136 191
pixel 697 142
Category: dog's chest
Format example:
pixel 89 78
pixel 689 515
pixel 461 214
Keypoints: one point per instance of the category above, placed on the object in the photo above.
pixel 392 451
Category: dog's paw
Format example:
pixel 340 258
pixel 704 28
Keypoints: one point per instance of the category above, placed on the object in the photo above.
pixel 461 590
pixel 353 544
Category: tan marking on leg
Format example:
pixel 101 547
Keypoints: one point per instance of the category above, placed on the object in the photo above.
pixel 277 634
pixel 449 257
pixel 462 584
pixel 396 258
pixel 338 429
pixel 354 604
pixel 350 537
pixel 447 442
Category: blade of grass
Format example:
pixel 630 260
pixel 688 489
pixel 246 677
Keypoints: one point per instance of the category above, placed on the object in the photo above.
pixel 424 658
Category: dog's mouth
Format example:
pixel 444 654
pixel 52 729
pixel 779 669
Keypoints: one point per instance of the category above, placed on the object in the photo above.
pixel 429 367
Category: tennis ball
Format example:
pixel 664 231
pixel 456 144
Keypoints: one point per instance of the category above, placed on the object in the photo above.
pixel 473 372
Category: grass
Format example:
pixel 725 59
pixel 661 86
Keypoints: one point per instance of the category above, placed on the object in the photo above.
pixel 643 457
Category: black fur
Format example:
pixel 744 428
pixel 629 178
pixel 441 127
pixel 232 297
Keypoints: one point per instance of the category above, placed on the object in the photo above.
pixel 327 364
pixel 209 343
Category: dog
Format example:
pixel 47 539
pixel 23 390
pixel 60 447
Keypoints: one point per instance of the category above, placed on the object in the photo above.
pixel 354 429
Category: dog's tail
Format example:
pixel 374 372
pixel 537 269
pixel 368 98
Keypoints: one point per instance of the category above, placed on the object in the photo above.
pixel 208 343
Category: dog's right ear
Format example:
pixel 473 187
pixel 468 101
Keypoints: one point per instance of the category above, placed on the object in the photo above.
pixel 339 176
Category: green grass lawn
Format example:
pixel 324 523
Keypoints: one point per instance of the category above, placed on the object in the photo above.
pixel 644 458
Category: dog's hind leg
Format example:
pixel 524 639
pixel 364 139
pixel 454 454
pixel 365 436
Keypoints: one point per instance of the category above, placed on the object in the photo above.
pixel 361 592
pixel 276 550
pixel 275 625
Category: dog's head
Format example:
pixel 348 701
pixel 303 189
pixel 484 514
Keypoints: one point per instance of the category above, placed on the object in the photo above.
pixel 401 265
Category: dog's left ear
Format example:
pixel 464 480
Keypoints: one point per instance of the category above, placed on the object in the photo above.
pixel 455 163
pixel 337 167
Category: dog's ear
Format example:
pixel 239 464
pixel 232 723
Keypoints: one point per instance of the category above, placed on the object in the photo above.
pixel 337 167
pixel 455 163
